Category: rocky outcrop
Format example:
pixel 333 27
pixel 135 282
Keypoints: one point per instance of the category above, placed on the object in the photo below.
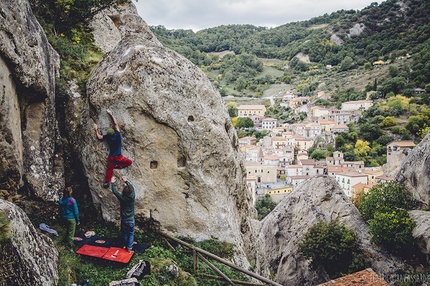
pixel 414 172
pixel 336 39
pixel 27 257
pixel 317 199
pixel 187 169
pixel 392 167
pixel 356 30
pixel 28 66
pixel 421 232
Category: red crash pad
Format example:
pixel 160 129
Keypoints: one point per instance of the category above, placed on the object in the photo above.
pixel 91 250
pixel 118 255
pixel 112 253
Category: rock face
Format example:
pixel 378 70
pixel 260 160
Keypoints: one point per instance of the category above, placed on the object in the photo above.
pixel 414 173
pixel 28 65
pixel 356 30
pixel 317 199
pixel 421 231
pixel 106 34
pixel 187 168
pixel 29 257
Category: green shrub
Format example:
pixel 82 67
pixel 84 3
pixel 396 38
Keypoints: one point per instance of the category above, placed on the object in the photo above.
pixel 334 248
pixel 393 231
pixel 383 197
pixel 4 226
pixel 265 206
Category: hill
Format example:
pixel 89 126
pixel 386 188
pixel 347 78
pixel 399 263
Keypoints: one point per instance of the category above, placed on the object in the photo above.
pixel 348 42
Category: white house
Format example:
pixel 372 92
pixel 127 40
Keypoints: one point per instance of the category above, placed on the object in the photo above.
pixel 348 179
pixel 250 110
pixel 398 147
pixel 357 105
pixel 313 130
pixel 271 159
pixel 265 174
pixel 269 123
pixel 246 141
pixel 340 128
pixel 308 167
pixel 304 143
pixel 294 170
pixel 279 142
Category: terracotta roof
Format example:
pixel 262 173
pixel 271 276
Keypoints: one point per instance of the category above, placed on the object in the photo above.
pixel 323 122
pixel 341 126
pixel 403 143
pixel 358 185
pixel 271 157
pixel 279 139
pixel 308 162
pixel 370 172
pixel 365 277
pixel 357 101
pixel 303 177
pixel 251 107
pixel 337 169
pixel 352 174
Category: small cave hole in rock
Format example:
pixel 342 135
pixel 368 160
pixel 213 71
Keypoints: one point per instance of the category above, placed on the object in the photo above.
pixel 190 118
pixel 181 162
pixel 153 165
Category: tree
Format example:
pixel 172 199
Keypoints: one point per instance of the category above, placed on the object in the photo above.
pixel 370 132
pixel 393 231
pixel 232 109
pixel 384 197
pixel 416 123
pixel 346 63
pixel 384 140
pixel 361 148
pixel 65 16
pixel 265 206
pixel 388 121
pixel 334 248
pixel 318 154
pixel 339 141
pixel 244 122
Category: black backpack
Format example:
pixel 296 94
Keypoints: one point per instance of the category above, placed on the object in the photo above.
pixel 139 270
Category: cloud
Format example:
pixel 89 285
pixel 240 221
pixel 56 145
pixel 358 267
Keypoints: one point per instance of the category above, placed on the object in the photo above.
pixel 197 15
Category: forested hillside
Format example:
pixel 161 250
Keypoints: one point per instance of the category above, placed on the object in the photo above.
pixel 346 40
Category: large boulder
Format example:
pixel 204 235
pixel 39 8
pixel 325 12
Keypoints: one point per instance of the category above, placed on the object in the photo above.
pixel 317 199
pixel 421 232
pixel 414 172
pixel 187 168
pixel 28 66
pixel 28 257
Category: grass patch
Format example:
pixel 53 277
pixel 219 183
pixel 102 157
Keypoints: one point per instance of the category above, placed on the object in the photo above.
pixel 171 263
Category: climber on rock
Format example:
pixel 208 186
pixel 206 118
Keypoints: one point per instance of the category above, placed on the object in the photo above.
pixel 115 159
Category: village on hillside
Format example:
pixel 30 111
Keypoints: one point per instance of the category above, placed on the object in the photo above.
pixel 279 162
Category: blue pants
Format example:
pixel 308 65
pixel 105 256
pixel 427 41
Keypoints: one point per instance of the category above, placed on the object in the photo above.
pixel 127 230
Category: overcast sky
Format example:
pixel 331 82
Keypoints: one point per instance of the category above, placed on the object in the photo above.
pixel 201 14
